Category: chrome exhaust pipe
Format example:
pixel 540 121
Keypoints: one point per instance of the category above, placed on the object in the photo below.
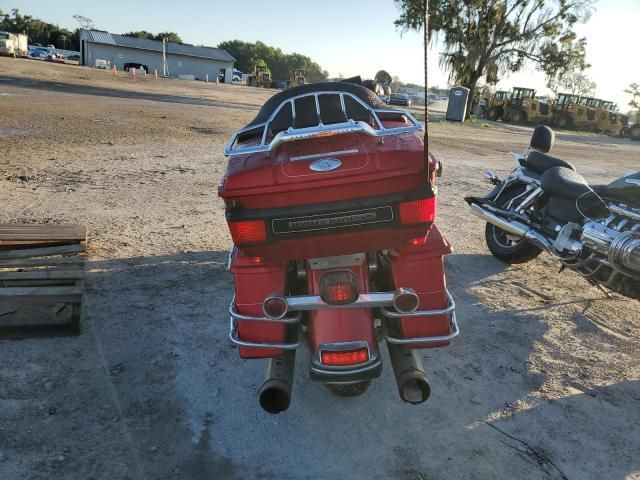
pixel 513 227
pixel 413 386
pixel 275 393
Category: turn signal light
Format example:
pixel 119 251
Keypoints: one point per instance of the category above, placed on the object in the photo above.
pixel 248 231
pixel 275 307
pixel 347 357
pixel 338 288
pixel 405 300
pixel 418 211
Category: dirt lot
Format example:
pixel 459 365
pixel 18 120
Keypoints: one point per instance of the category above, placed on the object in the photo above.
pixel 542 383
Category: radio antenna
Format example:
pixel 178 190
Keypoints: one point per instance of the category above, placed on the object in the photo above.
pixel 425 28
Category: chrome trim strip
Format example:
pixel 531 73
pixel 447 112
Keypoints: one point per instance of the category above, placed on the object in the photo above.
pixel 231 252
pixel 453 324
pixel 239 316
pixel 321 155
pixel 315 302
pixel 455 331
pixel 293 134
pixel 365 300
pixel 233 336
pixel 329 215
pixel 625 212
pixel 423 313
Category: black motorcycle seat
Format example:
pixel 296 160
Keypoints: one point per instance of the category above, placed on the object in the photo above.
pixel 540 162
pixel 561 182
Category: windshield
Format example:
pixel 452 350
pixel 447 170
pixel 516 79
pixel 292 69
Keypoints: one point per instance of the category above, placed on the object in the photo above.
pixel 4 36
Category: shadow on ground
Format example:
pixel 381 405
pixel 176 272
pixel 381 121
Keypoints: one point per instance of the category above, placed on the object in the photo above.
pixel 162 394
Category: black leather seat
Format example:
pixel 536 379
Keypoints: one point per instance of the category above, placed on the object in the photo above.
pixel 540 162
pixel 561 182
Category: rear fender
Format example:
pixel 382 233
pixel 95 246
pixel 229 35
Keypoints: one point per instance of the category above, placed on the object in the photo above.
pixel 489 196
pixel 341 326
pixel 504 186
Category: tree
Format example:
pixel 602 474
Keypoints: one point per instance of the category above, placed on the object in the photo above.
pixel 38 31
pixel 575 82
pixel 141 34
pixel 281 64
pixel 634 92
pixel 170 36
pixel 85 22
pixel 395 83
pixel 488 38
pixel 383 77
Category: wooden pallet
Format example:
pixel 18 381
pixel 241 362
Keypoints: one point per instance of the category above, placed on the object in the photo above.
pixel 41 279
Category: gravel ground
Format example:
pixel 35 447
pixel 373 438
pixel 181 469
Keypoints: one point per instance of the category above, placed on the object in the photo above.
pixel 543 382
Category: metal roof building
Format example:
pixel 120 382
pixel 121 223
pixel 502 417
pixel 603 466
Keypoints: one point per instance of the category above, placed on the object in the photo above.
pixel 181 58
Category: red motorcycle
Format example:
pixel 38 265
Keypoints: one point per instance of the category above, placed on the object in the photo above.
pixel 331 202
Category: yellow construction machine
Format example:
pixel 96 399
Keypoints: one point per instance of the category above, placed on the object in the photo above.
pixel 296 79
pixel 518 106
pixel 572 111
pixel 261 76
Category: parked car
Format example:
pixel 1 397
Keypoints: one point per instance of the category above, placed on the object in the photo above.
pixel 74 58
pixel 39 52
pixel 444 99
pixel 237 75
pixel 399 99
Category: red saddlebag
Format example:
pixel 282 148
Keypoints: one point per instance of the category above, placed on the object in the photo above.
pixel 422 268
pixel 253 283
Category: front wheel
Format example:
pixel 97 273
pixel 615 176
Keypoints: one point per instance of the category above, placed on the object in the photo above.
pixel 504 245
pixel 493 114
pixel 349 389
pixel 519 117
pixel 634 132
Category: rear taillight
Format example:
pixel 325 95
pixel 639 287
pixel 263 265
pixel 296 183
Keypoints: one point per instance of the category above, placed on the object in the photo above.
pixel 414 242
pixel 338 288
pixel 346 357
pixel 248 231
pixel 418 211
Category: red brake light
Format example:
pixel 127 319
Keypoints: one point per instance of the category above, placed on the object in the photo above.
pixel 248 231
pixel 338 288
pixel 418 211
pixel 347 357
pixel 418 241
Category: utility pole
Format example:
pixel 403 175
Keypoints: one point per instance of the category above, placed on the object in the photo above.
pixel 165 71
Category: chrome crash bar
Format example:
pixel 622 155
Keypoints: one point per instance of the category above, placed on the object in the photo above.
pixel 382 300
pixel 319 130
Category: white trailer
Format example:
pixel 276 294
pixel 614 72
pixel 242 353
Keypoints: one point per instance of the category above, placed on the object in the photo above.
pixel 13 44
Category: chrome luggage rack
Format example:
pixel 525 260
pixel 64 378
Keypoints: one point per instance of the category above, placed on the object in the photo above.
pixel 382 300
pixel 319 130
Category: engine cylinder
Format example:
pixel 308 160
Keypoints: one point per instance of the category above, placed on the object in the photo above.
pixel 624 252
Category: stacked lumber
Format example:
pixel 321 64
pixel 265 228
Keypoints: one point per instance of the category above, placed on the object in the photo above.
pixel 41 279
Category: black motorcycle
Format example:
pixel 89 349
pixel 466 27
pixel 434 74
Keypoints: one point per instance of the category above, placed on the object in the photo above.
pixel 545 205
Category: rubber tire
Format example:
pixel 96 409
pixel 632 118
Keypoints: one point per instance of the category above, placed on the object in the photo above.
pixel 519 117
pixel 563 121
pixel 492 114
pixel 634 132
pixel 522 252
pixel 351 390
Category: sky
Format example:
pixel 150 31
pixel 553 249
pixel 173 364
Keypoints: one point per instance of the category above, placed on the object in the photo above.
pixel 346 37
